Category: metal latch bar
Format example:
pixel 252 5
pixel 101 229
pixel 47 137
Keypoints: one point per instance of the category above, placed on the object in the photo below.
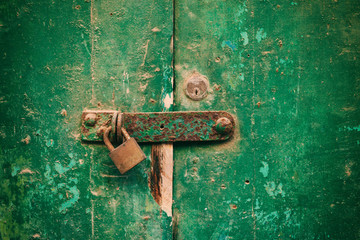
pixel 159 126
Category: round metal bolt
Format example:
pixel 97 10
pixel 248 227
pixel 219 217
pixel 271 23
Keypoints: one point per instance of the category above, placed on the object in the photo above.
pixel 196 86
pixel 223 125
pixel 90 119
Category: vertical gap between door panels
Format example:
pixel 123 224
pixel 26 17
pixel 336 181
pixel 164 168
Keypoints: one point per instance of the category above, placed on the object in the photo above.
pixel 173 220
pixel 173 48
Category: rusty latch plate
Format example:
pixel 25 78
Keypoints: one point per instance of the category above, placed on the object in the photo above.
pixel 160 126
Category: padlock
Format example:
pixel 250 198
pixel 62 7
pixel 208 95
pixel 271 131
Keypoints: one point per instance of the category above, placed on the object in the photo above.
pixel 127 155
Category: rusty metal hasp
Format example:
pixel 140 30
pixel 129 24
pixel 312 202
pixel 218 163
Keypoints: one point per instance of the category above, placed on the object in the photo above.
pixel 157 126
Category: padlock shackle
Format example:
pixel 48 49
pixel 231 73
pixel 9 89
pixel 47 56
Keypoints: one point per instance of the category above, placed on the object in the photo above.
pixel 106 139
pixel 125 134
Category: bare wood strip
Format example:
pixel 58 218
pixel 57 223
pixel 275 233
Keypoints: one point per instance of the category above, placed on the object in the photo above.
pixel 161 178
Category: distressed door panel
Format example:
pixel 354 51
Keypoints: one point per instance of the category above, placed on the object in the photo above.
pixel 58 58
pixel 289 73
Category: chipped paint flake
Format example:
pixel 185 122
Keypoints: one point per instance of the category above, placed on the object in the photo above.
pixel 60 169
pixel 168 101
pixel 50 143
pixel 15 171
pixel 269 218
pixel 26 170
pixel 75 197
pixel 260 35
pixel 346 128
pixel 264 169
pixel 257 204
pixel 167 97
pixel 155 29
pixel 26 140
pixel 274 190
pixel 229 44
pixel 245 38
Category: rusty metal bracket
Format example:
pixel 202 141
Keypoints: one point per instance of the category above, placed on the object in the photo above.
pixel 158 126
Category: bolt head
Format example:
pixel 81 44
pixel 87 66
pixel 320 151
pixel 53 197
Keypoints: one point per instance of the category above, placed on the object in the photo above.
pixel 223 125
pixel 90 119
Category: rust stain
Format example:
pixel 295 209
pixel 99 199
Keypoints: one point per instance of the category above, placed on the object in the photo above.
pixel 182 131
pixel 160 126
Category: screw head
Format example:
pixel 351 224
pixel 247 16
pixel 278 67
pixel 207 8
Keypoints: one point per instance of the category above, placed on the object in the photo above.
pixel 223 125
pixel 90 119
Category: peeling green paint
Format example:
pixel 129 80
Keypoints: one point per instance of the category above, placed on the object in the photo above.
pixel 75 195
pixel 245 38
pixel 274 190
pixel 229 44
pixel 49 143
pixel 15 171
pixel 260 35
pixel 264 169
pixel 167 89
pixel 61 169
pixel 273 216
pixel 357 128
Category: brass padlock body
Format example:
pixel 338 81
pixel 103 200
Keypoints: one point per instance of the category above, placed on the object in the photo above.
pixel 127 155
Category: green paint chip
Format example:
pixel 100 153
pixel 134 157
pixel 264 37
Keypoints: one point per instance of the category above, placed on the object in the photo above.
pixel 245 37
pixel 264 169
pixel 75 197
pixel 260 35
pixel 15 171
pixel 49 143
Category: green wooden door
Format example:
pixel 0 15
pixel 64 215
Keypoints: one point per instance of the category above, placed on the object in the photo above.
pixel 287 71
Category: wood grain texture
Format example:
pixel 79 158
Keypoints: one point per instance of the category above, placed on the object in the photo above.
pixel 161 178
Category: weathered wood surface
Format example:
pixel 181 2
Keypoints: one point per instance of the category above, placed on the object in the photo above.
pixel 289 71
pixel 161 178
pixel 57 58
